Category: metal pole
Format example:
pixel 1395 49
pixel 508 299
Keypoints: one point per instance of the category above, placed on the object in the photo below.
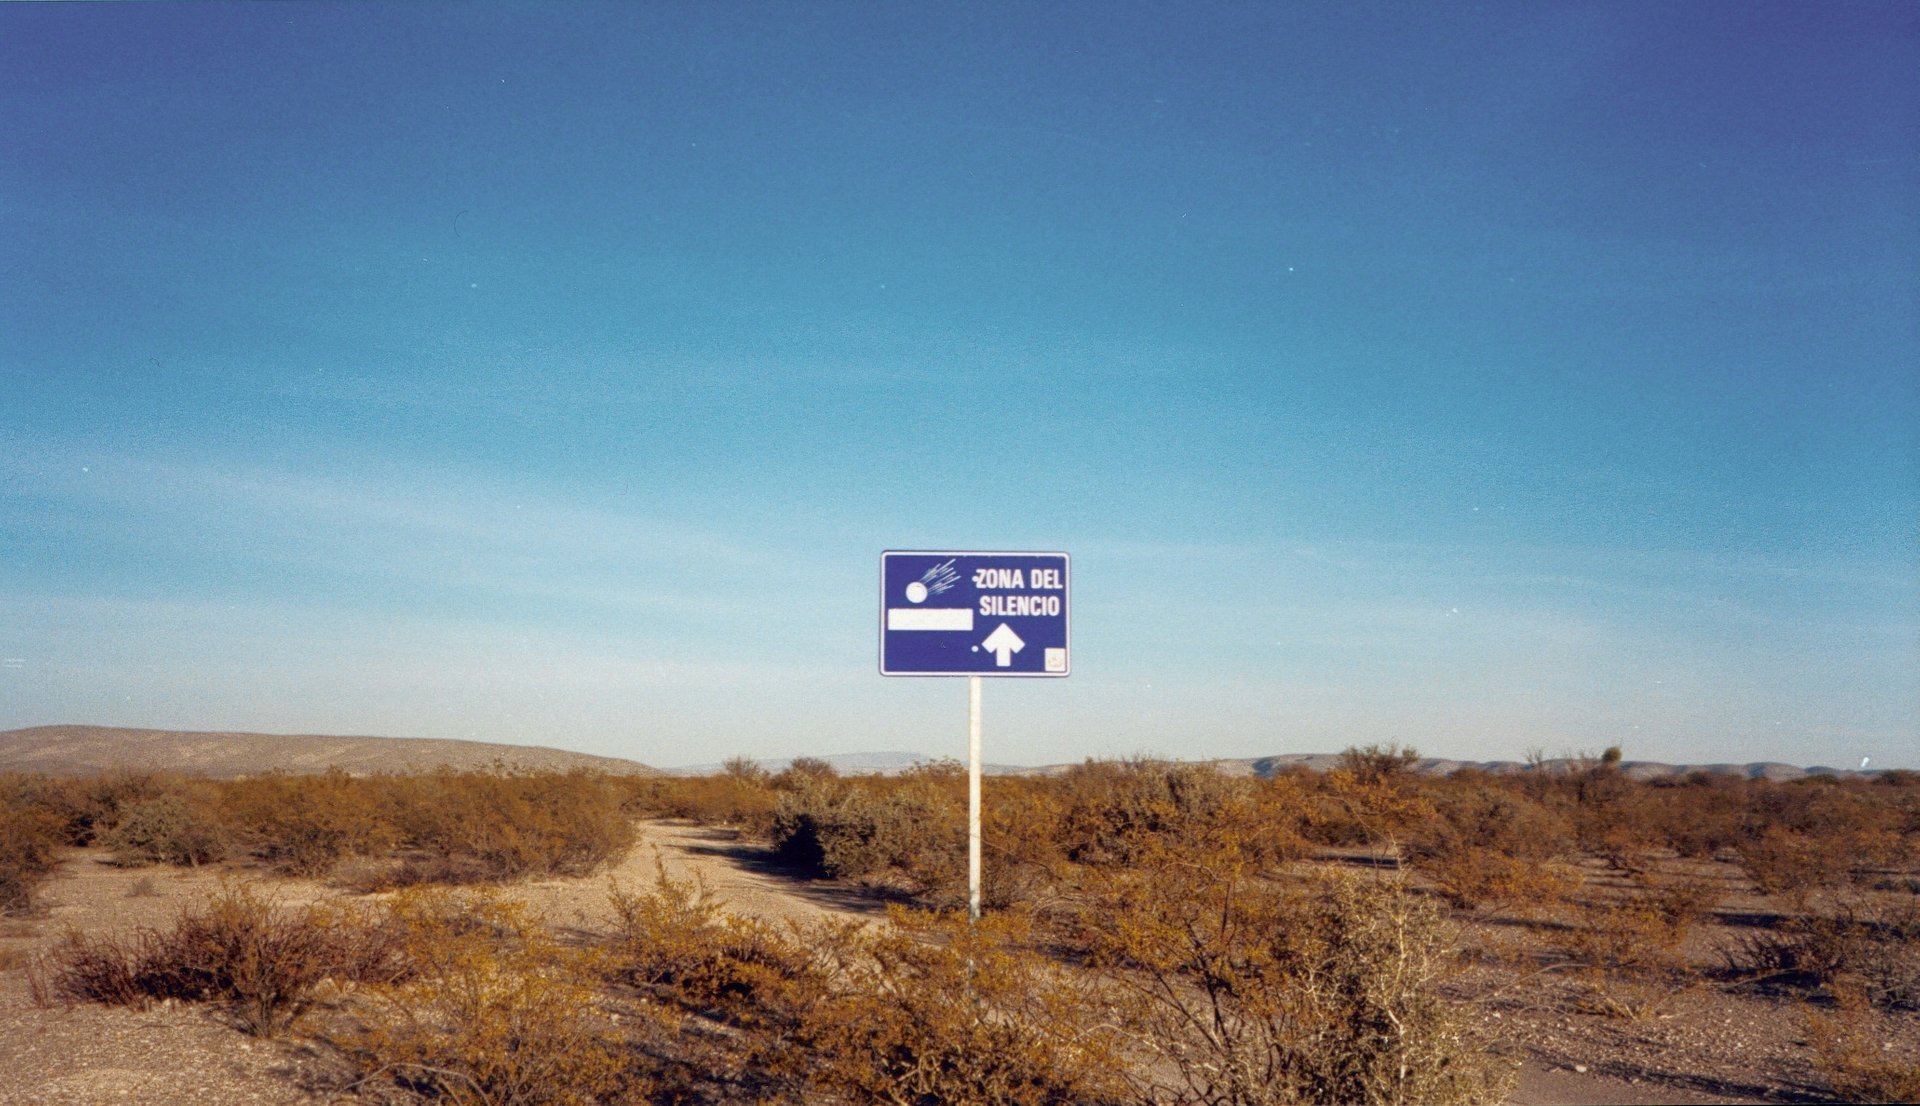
pixel 973 798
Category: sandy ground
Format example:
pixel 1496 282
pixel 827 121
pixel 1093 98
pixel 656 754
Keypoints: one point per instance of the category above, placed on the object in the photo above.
pixel 1701 1046
pixel 83 1055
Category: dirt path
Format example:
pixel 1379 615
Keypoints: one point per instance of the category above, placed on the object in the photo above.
pixel 738 875
pixel 88 1055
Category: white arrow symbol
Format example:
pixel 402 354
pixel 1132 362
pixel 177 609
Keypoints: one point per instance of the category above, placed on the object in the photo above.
pixel 1003 643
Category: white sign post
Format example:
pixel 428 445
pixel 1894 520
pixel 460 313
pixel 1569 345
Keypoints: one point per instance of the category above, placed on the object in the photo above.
pixel 974 615
pixel 973 797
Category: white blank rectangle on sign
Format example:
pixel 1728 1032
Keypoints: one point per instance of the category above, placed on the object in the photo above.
pixel 929 618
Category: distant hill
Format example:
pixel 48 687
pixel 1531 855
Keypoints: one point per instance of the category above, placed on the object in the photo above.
pixel 88 750
pixel 1632 769
pixel 1265 767
pixel 862 764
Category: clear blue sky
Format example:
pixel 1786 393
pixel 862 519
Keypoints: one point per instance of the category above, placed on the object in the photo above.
pixel 1479 377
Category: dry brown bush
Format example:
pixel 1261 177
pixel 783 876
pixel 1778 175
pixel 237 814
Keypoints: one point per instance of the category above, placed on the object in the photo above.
pixel 684 954
pixel 740 800
pixel 1848 1053
pixel 1487 845
pixel 908 829
pixel 477 827
pixel 166 829
pixel 1782 862
pixel 927 1009
pixel 1372 798
pixel 1112 809
pixel 1861 943
pixel 262 962
pixel 931 1009
pixel 494 1013
pixel 304 825
pixel 1640 931
pixel 1698 816
pixel 1257 992
pixel 29 841
pixel 676 942
pixel 90 807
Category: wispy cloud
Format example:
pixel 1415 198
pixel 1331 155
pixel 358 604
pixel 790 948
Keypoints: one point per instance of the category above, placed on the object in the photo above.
pixel 440 526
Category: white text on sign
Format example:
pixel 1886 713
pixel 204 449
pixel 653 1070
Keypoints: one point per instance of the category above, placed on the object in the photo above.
pixel 1015 579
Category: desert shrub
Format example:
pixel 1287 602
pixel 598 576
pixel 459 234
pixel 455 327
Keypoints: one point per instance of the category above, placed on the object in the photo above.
pixel 741 799
pixel 91 807
pixel 1020 827
pixel 1848 1053
pixel 931 1009
pixel 1627 952
pixel 1250 992
pixel 304 825
pixel 1865 945
pixel 473 827
pixel 494 1012
pixel 1378 763
pixel 1491 846
pixel 262 962
pixel 446 826
pixel 166 829
pixel 29 841
pixel 676 942
pixel 927 1009
pixel 1639 931
pixel 1112 809
pixel 676 946
pixel 1782 862
pixel 804 770
pixel 1697 816
pixel 851 831
pixel 1372 806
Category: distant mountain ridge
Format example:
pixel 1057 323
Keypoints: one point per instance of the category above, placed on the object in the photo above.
pixel 1265 767
pixel 90 750
pixel 891 763
pixel 77 750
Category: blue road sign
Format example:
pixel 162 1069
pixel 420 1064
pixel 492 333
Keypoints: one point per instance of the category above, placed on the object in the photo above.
pixel 973 614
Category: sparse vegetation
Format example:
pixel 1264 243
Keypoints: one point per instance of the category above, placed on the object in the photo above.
pixel 1256 991
pixel 166 829
pixel 262 962
pixel 1848 1053
pixel 494 1011
pixel 29 839
pixel 1157 934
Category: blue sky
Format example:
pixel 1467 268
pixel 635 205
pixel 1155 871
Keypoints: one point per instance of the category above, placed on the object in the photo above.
pixel 1483 378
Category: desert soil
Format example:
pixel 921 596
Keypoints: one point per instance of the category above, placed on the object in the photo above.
pixel 1702 1045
